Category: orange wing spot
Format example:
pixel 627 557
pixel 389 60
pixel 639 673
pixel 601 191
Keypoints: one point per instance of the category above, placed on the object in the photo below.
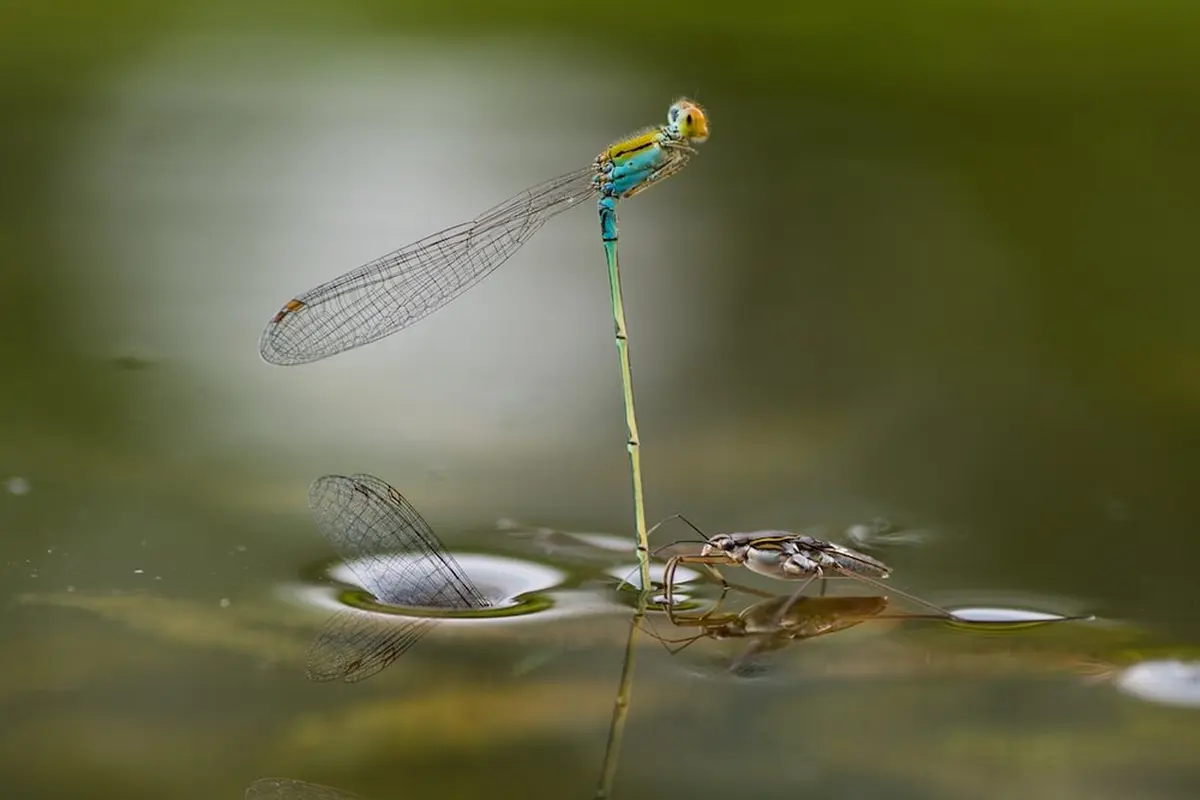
pixel 289 307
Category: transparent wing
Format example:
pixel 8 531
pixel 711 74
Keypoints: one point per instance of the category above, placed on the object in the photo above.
pixel 353 646
pixel 288 789
pixel 394 291
pixel 386 543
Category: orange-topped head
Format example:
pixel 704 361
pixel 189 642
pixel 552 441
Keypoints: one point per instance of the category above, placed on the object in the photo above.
pixel 689 119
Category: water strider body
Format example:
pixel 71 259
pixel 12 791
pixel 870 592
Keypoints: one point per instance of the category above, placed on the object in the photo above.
pixel 787 556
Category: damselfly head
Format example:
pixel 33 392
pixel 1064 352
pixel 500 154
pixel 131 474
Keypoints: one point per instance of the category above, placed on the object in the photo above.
pixel 688 120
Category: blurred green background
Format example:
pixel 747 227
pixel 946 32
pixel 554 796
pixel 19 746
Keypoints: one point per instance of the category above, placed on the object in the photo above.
pixel 936 263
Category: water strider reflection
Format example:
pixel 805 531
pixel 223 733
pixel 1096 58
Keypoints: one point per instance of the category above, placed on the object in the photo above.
pixel 765 631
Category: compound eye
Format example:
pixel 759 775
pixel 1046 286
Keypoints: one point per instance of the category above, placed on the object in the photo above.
pixel 727 545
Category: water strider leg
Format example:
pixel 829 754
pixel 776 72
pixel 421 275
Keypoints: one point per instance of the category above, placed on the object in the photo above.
pixel 783 611
pixel 700 617
pixel 708 562
pixel 684 520
pixel 887 588
pixel 666 643
pixel 747 655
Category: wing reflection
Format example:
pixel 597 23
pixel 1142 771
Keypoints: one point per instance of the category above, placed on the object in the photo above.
pixel 397 557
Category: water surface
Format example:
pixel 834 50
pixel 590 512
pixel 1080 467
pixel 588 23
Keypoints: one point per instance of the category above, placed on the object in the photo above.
pixel 932 269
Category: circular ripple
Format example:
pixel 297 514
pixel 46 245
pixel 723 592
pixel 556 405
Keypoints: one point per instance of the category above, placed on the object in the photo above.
pixel 503 581
pixel 514 588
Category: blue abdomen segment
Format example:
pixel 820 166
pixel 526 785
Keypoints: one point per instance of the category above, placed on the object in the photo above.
pixel 607 207
pixel 618 178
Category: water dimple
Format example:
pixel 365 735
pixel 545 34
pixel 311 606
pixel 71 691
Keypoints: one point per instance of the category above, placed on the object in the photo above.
pixel 632 574
pixel 18 486
pixel 1170 682
pixel 513 587
pixel 1000 615
pixel 1012 609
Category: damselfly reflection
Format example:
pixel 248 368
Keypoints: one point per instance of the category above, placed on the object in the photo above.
pixel 396 557
pixel 785 556
pixel 288 789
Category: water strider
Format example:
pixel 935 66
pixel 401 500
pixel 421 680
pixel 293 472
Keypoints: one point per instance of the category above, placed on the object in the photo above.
pixel 785 556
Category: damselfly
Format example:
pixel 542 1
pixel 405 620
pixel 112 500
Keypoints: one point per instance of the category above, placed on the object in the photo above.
pixel 393 291
pixel 785 556
pixel 397 558
pixel 289 789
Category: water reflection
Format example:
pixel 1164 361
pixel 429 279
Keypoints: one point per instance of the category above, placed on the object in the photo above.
pixel 369 523
pixel 289 789
pixel 805 618
pixel 955 291
pixel 399 581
